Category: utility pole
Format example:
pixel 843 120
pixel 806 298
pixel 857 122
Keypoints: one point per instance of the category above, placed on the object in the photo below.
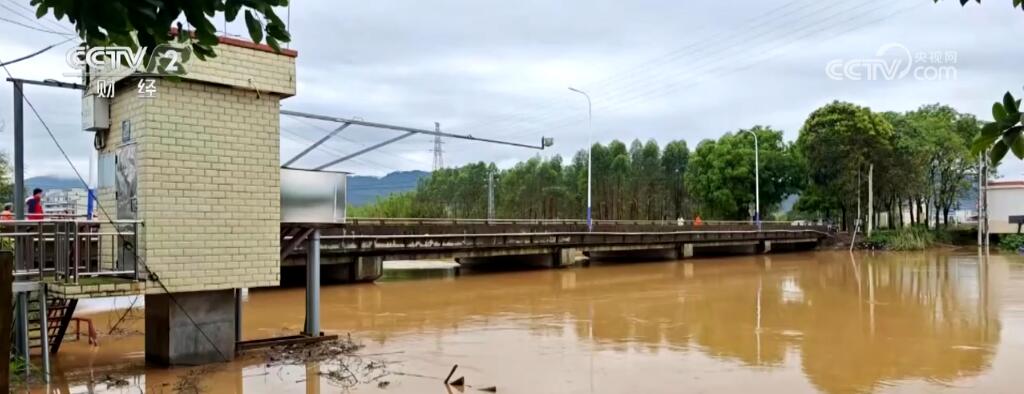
pixel 871 194
pixel 757 182
pixel 438 152
pixel 19 152
pixel 983 234
pixel 490 195
pixel 856 222
pixel 981 192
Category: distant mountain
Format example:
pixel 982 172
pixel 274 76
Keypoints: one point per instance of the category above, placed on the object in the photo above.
pixel 47 182
pixel 366 189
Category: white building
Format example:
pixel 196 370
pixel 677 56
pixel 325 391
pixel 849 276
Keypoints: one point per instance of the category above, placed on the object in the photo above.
pixel 1005 198
pixel 71 202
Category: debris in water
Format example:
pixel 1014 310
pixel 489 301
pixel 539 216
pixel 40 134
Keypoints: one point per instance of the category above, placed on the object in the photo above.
pixel 344 367
pixel 189 382
pixel 112 382
pixel 383 384
pixel 461 381
pixel 452 372
pixel 491 389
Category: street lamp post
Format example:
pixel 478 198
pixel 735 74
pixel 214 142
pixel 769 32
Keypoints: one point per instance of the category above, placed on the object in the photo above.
pixel 757 183
pixel 590 144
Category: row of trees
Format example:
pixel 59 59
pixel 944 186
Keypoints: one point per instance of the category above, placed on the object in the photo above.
pixel 642 181
pixel 920 162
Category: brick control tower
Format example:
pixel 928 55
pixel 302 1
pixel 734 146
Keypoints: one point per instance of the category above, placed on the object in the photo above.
pixel 197 161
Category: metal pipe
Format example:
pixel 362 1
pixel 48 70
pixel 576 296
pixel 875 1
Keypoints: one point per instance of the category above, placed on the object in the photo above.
pixel 313 284
pixel 367 149
pixel 316 144
pixel 403 128
pixel 44 334
pixel 23 347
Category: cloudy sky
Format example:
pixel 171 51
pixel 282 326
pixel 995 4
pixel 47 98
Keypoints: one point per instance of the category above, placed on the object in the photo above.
pixel 654 68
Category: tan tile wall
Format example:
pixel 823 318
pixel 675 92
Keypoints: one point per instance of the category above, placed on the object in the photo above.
pixel 209 168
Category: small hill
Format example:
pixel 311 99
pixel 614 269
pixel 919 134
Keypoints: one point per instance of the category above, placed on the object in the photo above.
pixel 366 189
pixel 48 182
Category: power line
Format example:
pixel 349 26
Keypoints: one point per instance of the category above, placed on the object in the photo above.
pixel 604 99
pixel 621 100
pixel 32 14
pixel 33 54
pixel 33 27
pixel 634 70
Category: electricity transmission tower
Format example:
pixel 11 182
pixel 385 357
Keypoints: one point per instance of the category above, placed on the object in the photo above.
pixel 438 152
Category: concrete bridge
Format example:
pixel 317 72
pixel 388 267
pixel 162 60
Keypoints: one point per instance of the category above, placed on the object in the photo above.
pixel 355 250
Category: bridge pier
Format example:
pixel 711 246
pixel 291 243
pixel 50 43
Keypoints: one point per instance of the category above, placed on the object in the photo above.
pixel 765 247
pixel 685 251
pixel 566 257
pixel 361 269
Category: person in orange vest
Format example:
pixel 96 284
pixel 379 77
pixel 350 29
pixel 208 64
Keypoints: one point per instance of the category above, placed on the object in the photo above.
pixel 697 222
pixel 34 205
pixel 7 214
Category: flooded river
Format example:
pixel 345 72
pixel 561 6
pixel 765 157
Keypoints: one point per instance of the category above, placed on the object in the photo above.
pixel 784 323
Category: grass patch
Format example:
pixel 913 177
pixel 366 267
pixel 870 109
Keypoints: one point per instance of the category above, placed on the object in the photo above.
pixel 913 238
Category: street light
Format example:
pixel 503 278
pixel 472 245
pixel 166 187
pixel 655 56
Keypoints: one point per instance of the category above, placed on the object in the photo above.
pixel 757 183
pixel 590 144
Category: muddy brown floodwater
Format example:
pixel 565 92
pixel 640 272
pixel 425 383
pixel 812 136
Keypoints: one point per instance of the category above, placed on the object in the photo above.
pixel 784 323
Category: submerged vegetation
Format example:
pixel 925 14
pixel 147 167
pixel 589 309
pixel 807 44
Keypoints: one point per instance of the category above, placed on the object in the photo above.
pixel 1013 242
pixel 918 238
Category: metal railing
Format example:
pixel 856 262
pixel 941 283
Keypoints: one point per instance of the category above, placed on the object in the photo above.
pixel 672 222
pixel 68 250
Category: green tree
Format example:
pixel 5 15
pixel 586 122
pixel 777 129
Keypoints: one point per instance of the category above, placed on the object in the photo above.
pixel 395 205
pixel 674 161
pixel 148 23
pixel 720 174
pixel 838 142
pixel 6 184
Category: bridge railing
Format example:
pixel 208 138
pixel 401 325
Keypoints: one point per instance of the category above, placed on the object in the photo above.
pixel 674 222
pixel 68 250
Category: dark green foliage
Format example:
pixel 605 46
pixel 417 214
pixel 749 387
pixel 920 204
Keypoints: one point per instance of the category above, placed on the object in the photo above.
pixel 639 182
pixel 721 173
pixel 6 181
pixel 921 162
pixel 1004 134
pixel 148 23
pixel 1012 242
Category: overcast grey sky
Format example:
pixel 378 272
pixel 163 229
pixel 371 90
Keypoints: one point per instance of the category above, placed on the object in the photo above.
pixel 655 69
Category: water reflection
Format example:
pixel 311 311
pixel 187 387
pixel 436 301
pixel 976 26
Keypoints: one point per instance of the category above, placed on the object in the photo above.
pixel 845 323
